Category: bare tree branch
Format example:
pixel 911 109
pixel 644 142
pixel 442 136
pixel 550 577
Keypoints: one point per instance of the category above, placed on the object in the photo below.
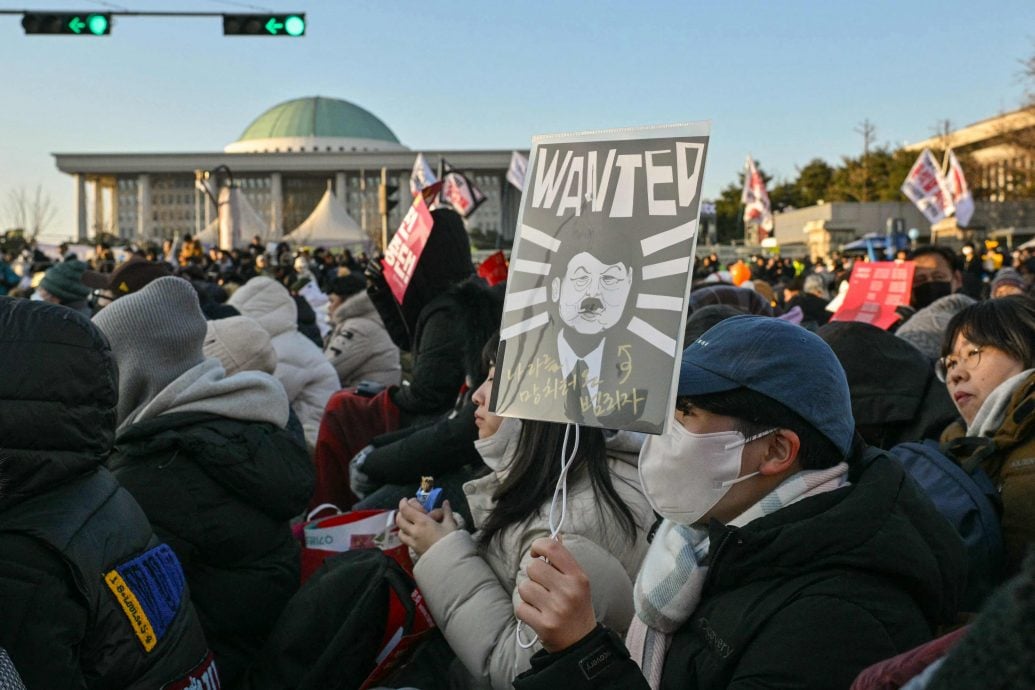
pixel 31 213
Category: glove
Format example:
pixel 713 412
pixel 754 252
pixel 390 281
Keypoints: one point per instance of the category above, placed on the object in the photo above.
pixel 359 482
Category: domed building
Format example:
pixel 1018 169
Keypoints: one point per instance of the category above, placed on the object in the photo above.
pixel 317 125
pixel 283 163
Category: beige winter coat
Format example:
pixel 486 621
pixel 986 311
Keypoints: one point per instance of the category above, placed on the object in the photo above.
pixel 472 592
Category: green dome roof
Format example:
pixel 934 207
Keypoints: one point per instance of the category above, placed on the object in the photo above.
pixel 316 116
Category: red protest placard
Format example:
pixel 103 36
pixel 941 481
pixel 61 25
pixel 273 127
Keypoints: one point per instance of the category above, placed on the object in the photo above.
pixel 874 291
pixel 494 268
pixel 404 250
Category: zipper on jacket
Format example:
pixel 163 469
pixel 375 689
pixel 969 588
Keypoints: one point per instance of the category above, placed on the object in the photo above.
pixel 715 559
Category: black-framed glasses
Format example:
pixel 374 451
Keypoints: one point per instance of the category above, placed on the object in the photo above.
pixel 945 366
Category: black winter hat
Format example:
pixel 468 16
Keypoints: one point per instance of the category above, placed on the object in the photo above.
pixel 346 286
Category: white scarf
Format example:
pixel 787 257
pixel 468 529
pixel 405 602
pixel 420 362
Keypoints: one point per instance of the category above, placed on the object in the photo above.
pixel 669 584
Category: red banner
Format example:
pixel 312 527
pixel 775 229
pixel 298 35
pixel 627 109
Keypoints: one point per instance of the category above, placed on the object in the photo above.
pixel 404 250
pixel 494 268
pixel 875 290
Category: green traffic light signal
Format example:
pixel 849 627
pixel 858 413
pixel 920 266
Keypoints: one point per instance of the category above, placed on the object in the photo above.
pixel 97 24
pixel 80 24
pixel 292 25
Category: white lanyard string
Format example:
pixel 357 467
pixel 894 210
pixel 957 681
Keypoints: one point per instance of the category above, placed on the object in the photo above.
pixel 555 529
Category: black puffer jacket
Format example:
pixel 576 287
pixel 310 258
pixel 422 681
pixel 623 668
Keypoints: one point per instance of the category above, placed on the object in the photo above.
pixel 221 493
pixel 402 457
pixel 89 598
pixel 803 598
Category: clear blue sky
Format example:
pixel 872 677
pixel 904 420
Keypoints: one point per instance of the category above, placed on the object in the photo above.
pixel 785 81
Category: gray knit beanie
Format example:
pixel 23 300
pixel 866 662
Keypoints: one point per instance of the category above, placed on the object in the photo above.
pixel 1007 276
pixel 241 344
pixel 926 328
pixel 156 335
pixel 65 281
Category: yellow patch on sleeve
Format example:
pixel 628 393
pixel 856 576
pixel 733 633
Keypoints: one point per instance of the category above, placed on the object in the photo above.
pixel 131 607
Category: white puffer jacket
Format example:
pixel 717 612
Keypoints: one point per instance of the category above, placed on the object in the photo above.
pixel 307 376
pixel 472 590
pixel 359 347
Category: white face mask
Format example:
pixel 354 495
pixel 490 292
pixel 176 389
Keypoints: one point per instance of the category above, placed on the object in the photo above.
pixel 685 474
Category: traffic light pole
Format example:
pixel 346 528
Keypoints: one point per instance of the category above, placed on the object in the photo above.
pixel 383 204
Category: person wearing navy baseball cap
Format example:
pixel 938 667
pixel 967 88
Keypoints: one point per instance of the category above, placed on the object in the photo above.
pixel 788 554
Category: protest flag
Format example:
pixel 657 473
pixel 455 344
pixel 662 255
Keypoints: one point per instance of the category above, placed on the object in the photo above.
pixel 927 188
pixel 959 192
pixel 494 268
pixel 459 192
pixel 422 175
pixel 516 171
pixel 756 200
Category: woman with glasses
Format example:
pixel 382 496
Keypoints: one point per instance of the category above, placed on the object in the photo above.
pixel 988 365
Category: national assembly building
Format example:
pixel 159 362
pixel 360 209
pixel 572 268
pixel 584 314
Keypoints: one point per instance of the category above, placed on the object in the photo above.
pixel 283 164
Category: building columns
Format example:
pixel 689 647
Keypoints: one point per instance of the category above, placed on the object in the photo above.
pixel 340 189
pixel 276 206
pixel 113 190
pixel 98 207
pixel 79 180
pixel 145 221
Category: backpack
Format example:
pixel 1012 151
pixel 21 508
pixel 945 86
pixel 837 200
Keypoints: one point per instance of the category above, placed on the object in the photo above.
pixel 332 634
pixel 966 497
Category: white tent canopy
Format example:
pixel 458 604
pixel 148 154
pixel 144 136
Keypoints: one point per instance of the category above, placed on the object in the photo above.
pixel 329 225
pixel 250 223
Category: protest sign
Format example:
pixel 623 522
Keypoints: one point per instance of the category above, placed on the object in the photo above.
pixel 600 276
pixel 404 250
pixel 874 291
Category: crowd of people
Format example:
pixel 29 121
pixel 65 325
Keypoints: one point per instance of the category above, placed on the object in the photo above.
pixel 168 421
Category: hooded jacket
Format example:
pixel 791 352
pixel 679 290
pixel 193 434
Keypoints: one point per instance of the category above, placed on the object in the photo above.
pixel 221 492
pixel 359 347
pixel 472 590
pixel 805 597
pixel 208 458
pixel 307 376
pixel 426 322
pixel 70 536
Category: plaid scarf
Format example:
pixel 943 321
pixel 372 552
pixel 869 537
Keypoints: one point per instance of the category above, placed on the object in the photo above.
pixel 668 586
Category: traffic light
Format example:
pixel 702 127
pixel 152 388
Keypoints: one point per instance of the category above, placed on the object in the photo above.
pixel 77 23
pixel 386 199
pixel 291 25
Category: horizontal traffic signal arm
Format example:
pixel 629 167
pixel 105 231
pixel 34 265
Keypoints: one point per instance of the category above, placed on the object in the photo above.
pixel 91 23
